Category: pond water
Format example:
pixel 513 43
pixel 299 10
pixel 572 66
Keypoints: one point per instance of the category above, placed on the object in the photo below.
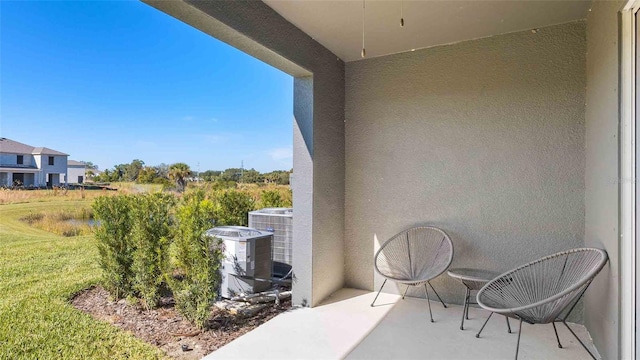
pixel 90 222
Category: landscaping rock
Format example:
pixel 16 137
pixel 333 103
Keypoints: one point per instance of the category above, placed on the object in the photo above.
pixel 240 308
pixel 264 297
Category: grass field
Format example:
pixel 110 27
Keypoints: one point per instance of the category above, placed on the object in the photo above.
pixel 29 196
pixel 39 272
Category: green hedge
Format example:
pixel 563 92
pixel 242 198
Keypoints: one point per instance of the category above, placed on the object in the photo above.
pixel 150 242
pixel 194 275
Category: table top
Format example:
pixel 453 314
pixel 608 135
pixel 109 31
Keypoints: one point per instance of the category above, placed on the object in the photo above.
pixel 476 275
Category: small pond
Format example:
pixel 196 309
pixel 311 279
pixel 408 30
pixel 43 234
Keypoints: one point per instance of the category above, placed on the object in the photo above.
pixel 90 222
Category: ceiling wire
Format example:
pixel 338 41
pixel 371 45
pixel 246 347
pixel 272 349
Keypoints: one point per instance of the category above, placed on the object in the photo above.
pixel 364 52
pixel 401 13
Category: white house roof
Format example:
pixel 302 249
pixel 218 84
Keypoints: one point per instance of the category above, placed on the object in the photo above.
pixel 14 147
pixel 75 163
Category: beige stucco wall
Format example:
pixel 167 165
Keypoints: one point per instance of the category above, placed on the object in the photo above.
pixel 483 138
pixel 601 185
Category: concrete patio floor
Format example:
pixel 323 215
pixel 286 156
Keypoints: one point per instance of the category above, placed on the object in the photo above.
pixel 345 326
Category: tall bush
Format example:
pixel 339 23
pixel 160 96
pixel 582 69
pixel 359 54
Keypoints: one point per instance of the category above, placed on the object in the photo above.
pixel 232 207
pixel 194 274
pixel 151 234
pixel 270 199
pixel 115 249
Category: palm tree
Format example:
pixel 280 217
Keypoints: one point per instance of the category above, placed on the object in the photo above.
pixel 179 172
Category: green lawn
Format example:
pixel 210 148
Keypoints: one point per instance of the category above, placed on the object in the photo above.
pixel 39 272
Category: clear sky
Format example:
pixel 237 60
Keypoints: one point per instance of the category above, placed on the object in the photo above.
pixel 113 81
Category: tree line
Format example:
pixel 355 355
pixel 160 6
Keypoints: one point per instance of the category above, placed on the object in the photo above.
pixel 180 173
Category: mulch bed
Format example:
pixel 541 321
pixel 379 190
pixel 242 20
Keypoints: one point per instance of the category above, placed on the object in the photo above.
pixel 168 330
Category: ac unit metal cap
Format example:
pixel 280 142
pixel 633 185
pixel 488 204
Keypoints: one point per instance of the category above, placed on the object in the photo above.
pixel 239 232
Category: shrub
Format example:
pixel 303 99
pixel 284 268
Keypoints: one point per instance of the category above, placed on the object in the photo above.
pixel 194 273
pixel 271 198
pixel 114 243
pixel 287 197
pixel 32 218
pixel 151 233
pixel 232 207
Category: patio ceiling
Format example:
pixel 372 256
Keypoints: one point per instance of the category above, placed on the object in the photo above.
pixel 338 24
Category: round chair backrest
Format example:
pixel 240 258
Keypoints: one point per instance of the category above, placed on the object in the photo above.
pixel 540 290
pixel 415 255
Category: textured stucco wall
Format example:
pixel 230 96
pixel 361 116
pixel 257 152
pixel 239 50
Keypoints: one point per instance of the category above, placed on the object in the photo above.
pixel 484 139
pixel 318 196
pixel 12 159
pixel 302 186
pixel 73 172
pixel 601 173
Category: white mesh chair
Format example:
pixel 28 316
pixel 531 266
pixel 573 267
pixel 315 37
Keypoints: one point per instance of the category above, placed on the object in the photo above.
pixel 544 291
pixel 413 258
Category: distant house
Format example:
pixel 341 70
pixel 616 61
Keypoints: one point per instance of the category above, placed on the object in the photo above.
pixel 75 172
pixel 22 164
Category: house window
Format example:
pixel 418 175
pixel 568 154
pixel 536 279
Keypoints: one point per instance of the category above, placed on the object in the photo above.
pixel 51 160
pixel 20 160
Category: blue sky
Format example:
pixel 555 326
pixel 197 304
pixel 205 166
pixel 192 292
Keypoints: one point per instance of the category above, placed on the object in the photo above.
pixel 113 81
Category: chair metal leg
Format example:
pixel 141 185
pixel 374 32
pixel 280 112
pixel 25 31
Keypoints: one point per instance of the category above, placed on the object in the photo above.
pixel 508 325
pixel 580 341
pixel 483 325
pixel 405 292
pixel 464 308
pixel 557 337
pixel 376 298
pixel 466 313
pixel 518 345
pixel 428 302
pixel 434 290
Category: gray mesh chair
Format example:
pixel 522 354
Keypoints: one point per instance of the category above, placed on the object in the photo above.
pixel 413 258
pixel 546 290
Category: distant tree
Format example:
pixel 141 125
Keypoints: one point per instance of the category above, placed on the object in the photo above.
pixel 89 165
pixel 250 176
pixel 100 177
pixel 284 178
pixel 89 170
pixel 119 172
pixel 279 177
pixel 132 170
pixel 179 172
pixel 106 176
pixel 231 174
pixel 210 175
pixel 163 170
pixel 147 175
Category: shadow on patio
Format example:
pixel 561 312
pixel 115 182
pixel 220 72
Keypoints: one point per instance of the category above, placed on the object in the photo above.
pixel 345 326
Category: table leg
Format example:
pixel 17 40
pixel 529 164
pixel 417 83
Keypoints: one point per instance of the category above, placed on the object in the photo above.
pixel 464 307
